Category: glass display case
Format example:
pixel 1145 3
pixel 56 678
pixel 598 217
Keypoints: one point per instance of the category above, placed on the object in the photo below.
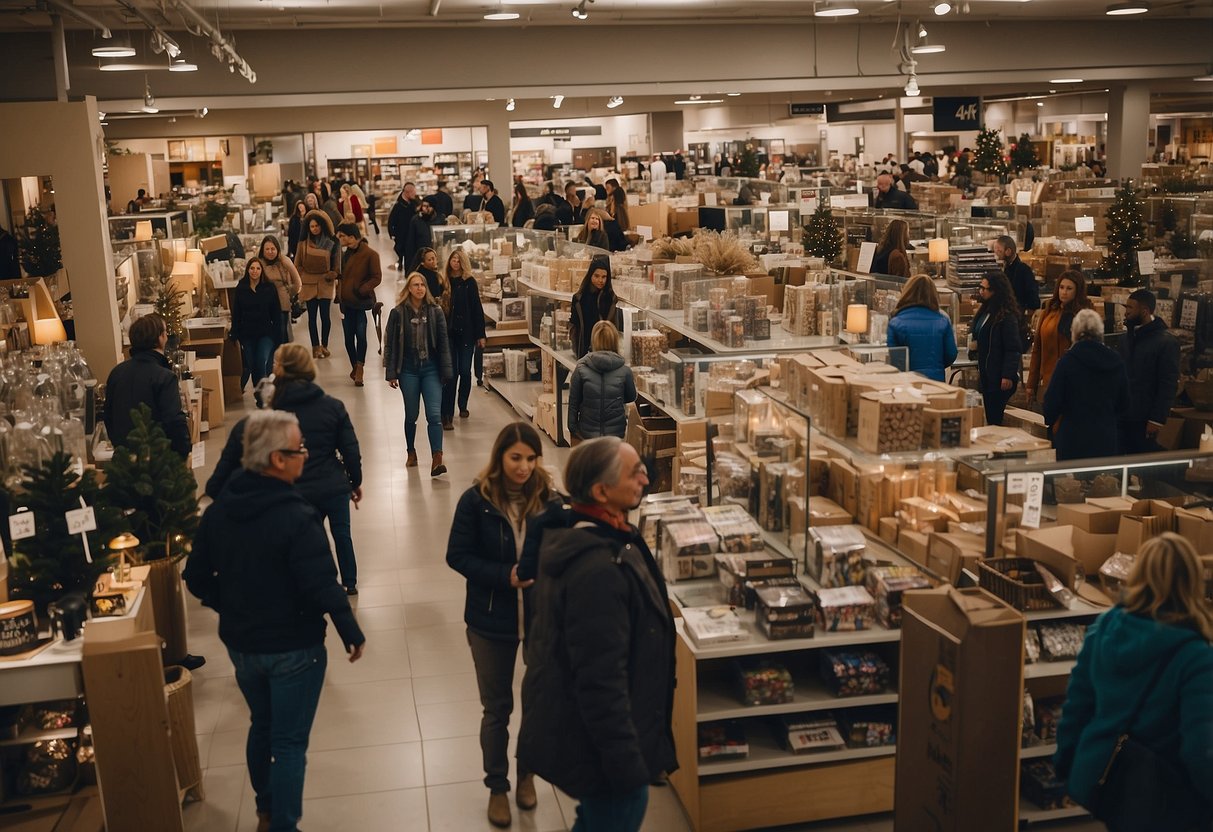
pixel 728 187
pixel 166 225
pixel 773 221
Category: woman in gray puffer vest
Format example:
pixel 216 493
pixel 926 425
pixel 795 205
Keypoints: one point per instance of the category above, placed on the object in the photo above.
pixel 600 388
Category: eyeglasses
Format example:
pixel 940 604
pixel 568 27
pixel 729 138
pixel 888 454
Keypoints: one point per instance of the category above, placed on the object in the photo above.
pixel 301 451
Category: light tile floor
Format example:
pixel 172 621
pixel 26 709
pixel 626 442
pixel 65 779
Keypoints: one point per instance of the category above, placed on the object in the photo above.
pixel 395 743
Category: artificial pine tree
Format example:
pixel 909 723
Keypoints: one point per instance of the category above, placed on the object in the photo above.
pixel 40 252
pixel 169 304
pixel 1126 234
pixel 747 162
pixel 989 157
pixel 146 475
pixel 53 563
pixel 821 234
pixel 1023 154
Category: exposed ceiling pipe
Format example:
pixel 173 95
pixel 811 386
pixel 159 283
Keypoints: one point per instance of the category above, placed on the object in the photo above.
pixel 434 4
pixel 81 15
pixel 174 49
pixel 220 46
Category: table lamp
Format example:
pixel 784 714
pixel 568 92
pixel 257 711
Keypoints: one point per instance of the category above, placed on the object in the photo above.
pixel 857 323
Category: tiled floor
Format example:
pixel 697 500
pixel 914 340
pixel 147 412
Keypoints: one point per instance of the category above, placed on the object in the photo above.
pixel 395 744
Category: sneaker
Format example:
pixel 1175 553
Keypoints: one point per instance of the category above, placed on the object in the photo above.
pixel 351 590
pixel 191 662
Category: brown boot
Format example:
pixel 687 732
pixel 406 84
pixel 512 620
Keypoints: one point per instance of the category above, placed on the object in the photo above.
pixel 358 374
pixel 436 467
pixel 353 372
pixel 524 795
pixel 324 352
pixel 499 809
pixel 316 353
pixel 263 822
pixel 411 460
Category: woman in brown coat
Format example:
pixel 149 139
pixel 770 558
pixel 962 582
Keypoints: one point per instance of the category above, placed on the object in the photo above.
pixel 360 274
pixel 283 276
pixel 1052 336
pixel 316 261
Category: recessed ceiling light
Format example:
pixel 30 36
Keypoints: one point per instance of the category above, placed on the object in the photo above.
pixel 840 9
pixel 501 14
pixel 733 94
pixel 182 65
pixel 1065 80
pixel 942 8
pixel 1118 9
pixel 699 101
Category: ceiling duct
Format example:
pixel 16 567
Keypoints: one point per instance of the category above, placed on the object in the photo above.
pixel 81 15
pixel 221 47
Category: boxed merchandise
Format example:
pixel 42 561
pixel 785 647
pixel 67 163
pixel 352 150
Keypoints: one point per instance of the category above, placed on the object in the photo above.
pixel 886 584
pixel 844 486
pixel 655 507
pixel 494 365
pixel 946 428
pixel 835 555
pixel 1197 526
pixel 890 422
pixel 869 727
pixel 809 733
pixel 950 553
pixel 772 494
pixel 687 547
pixel 741 574
pixel 1069 551
pixel 1061 640
pixel 784 612
pixel 914 545
pixel 764 682
pixel 515 365
pixel 854 672
pixel 845 608
pixel 737 530
pixel 1041 785
pixel 723 740
pixel 1115 573
pixel 1146 519
pixel 959 705
pixel 707 626
pixel 825 512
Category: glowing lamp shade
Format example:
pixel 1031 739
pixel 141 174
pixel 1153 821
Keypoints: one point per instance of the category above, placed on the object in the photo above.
pixel 47 331
pixel 857 318
pixel 195 255
pixel 186 276
pixel 143 230
pixel 179 249
pixel 937 250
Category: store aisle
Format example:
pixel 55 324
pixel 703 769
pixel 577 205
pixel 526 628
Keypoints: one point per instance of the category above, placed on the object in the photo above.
pixel 395 744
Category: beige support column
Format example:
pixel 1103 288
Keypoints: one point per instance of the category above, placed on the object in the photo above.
pixel 63 140
pixel 1128 129
pixel 501 164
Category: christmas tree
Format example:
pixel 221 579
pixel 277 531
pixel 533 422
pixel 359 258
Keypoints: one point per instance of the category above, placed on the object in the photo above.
pixel 1023 154
pixel 147 476
pixel 169 304
pixel 53 562
pixel 1126 234
pixel 40 252
pixel 747 162
pixel 989 153
pixel 821 234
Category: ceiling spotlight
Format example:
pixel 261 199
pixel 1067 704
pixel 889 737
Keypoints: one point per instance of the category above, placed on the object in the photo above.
pixel 1120 9
pixel 912 87
pixel 182 65
pixel 201 113
pixel 101 115
pixel 922 31
pixel 557 100
pixel 116 48
pixel 614 101
pixel 942 8
pixel 1065 80
pixel 580 12
pixel 925 47
pixel 510 105
pixel 839 9
pixel 733 94
pixel 1040 103
pixel 149 100
pixel 500 14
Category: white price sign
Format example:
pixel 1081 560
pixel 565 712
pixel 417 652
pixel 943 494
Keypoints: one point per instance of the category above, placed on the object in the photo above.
pixel 779 220
pixel 1017 483
pixel 1033 498
pixel 21 525
pixel 198 455
pixel 1187 314
pixel 501 265
pixel 867 251
pixel 1145 262
pixel 1023 198
pixel 1084 225
pixel 81 520
pixel 709 199
pixel 645 232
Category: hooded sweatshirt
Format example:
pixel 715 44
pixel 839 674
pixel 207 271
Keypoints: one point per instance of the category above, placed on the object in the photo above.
pixel 1089 393
pixel 599 390
pixel 1121 656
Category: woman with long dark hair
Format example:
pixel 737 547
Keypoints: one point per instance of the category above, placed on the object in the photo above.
pixel 255 321
pixel 891 255
pixel 296 230
pixel 999 346
pixel 1053 330
pixel 522 209
pixel 593 301
pixel 426 262
pixel 465 327
pixel 317 261
pixel 283 276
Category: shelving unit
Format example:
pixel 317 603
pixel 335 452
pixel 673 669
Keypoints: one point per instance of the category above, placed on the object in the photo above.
pixel 520 395
pixel 780 341
pixel 454 165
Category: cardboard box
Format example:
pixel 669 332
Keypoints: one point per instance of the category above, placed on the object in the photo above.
pixel 826 512
pixel 1100 515
pixel 214 243
pixel 1069 552
pixel 1197 526
pixel 890 422
pixel 1194 422
pixel 914 545
pixel 959 711
pixel 1144 520
pixel 209 372
pixel 844 485
pixel 948 554
pixel 888 530
pixel 946 428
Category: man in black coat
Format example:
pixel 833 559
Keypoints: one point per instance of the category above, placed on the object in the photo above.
pixel 419 234
pixel 1023 279
pixel 888 196
pixel 490 201
pixel 146 378
pixel 590 726
pixel 443 204
pixel 400 217
pixel 261 559
pixel 1151 356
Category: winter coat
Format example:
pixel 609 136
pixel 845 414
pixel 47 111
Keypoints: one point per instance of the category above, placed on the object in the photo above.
pixel 360 274
pixel 522 212
pixel 334 460
pixel 999 351
pixel 494 206
pixel 892 262
pixel 1023 283
pixel 419 235
pixel 317 260
pixel 465 312
pixel 1089 392
pixel 599 389
pixel 895 198
pixel 295 231
pixel 398 333
pixel 588 310
pixel 1121 655
pixel 254 311
pixel 146 378
pixel 283 276
pixel 483 550
pixel 928 335
pixel 399 218
pixel 598 693
pixel 1151 356
pixel 1050 344
pixel 444 206
pixel 261 559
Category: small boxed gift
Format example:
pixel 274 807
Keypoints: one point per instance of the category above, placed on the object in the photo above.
pixel 687 544
pixel 836 555
pixel 809 733
pixel 713 625
pixel 740 574
pixel 845 608
pixel 737 530
pixel 886 584
pixel 723 740
pixel 1115 572
pixel 1048 716
pixel 764 682
pixel 868 727
pixel 854 672
pixel 784 612
pixel 1040 784
pixel 750 587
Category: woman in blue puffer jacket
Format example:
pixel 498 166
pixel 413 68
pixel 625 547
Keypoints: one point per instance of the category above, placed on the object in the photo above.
pixel 600 388
pixel 918 324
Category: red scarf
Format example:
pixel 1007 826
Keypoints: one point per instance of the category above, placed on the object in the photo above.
pixel 607 516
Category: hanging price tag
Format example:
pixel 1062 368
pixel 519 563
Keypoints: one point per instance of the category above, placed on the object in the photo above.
pixel 1017 483
pixel 779 220
pixel 81 520
pixel 21 525
pixel 1187 314
pixel 867 251
pixel 1084 225
pixel 198 455
pixel 709 199
pixel 1032 501
pixel 1023 197
pixel 1145 262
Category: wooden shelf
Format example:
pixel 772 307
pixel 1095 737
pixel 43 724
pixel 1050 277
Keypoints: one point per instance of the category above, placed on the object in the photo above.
pixel 1034 751
pixel 759 645
pixel 520 395
pixel 766 754
pixel 811 695
pixel 1029 812
pixel 1040 670
pixel 26 737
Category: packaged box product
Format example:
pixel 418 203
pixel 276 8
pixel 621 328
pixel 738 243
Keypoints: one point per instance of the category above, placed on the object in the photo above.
pixel 914 545
pixel 1197 526
pixel 761 681
pixel 737 530
pixel 1146 519
pixel 871 727
pixel 959 707
pixel 810 733
pixel 835 555
pixel 844 486
pixel 826 512
pixel 1100 515
pixel 1115 573
pixel 946 428
pixel 845 608
pixel 722 740
pixel 1041 785
pixel 854 672
pixel 741 574
pixel 886 584
pixel 784 612
pixel 888 530
pixel 951 552
pixel 713 625
pixel 1070 552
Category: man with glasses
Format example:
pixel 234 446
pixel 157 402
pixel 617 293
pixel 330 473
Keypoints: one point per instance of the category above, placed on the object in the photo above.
pixel 261 560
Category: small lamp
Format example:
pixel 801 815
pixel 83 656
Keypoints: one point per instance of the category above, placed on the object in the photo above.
pixel 179 248
pixel 143 230
pixel 937 250
pixel 857 323
pixel 195 255
pixel 122 544
pixel 48 331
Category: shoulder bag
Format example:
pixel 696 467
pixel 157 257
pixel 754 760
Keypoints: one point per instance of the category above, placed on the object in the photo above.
pixel 1143 791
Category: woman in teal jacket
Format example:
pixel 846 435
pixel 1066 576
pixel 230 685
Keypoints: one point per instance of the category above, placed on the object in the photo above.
pixel 1162 627
pixel 918 324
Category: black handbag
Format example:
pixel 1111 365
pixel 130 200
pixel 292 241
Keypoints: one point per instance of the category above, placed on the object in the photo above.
pixel 1142 791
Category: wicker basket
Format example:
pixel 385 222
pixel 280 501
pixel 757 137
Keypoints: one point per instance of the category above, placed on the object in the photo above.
pixel 1016 581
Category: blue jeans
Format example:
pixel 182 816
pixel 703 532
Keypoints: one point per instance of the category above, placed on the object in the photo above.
pixel 353 323
pixel 337 510
pixel 462 355
pixel 258 356
pixel 284 328
pixel 282 691
pixel 319 308
pixel 415 383
pixel 612 813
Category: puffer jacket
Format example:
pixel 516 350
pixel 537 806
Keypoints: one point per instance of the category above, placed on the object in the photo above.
pixel 395 345
pixel 599 390
pixel 1088 393
pixel 598 693
pixel 1151 355
pixel 999 350
pixel 929 337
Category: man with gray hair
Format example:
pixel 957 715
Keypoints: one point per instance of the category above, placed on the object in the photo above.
pixel 261 560
pixel 1023 279
pixel 599 687
pixel 1088 393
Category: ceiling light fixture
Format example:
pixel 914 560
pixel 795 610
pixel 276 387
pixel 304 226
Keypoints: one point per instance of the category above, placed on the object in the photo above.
pixel 510 105
pixel 1040 103
pixel 122 66
pixel 1065 80
pixel 149 100
pixel 614 101
pixel 839 9
pixel 580 12
pixel 922 31
pixel 698 100
pixel 500 14
pixel 557 100
pixel 182 65
pixel 117 48
pixel 924 46
pixel 733 94
pixel 912 89
pixel 201 113
pixel 942 8
pixel 1121 9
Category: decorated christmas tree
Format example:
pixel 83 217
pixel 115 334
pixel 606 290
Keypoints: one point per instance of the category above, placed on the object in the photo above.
pixel 1023 154
pixel 39 240
pixel 821 234
pixel 1126 235
pixel 169 305
pixel 989 158
pixel 747 162
pixel 53 562
pixel 146 475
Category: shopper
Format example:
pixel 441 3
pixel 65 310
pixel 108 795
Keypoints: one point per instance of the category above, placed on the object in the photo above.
pixel 312 202
pixel 593 301
pixel 575 214
pixel 599 683
pixel 1151 355
pixel 888 196
pixel 1052 336
pixel 351 207
pixel 441 198
pixel 545 218
pixel 999 351
pixel 281 273
pixel 919 325
pixel 600 388
pixel 417 361
pixel 487 535
pixel 521 209
pixel 892 254
pixel 593 232
pixel 399 220
pixel 146 378
pixel 317 263
pixel 295 229
pixel 372 199
pixel 465 327
pixel 490 202
pixel 1145 671
pixel 1020 275
pixel 255 322
pixel 329 205
pixel 261 560
pixel 618 209
pixel 1088 395
pixel 360 274
pixel 420 234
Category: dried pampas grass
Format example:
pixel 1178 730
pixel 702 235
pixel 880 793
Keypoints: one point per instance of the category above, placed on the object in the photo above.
pixel 724 253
